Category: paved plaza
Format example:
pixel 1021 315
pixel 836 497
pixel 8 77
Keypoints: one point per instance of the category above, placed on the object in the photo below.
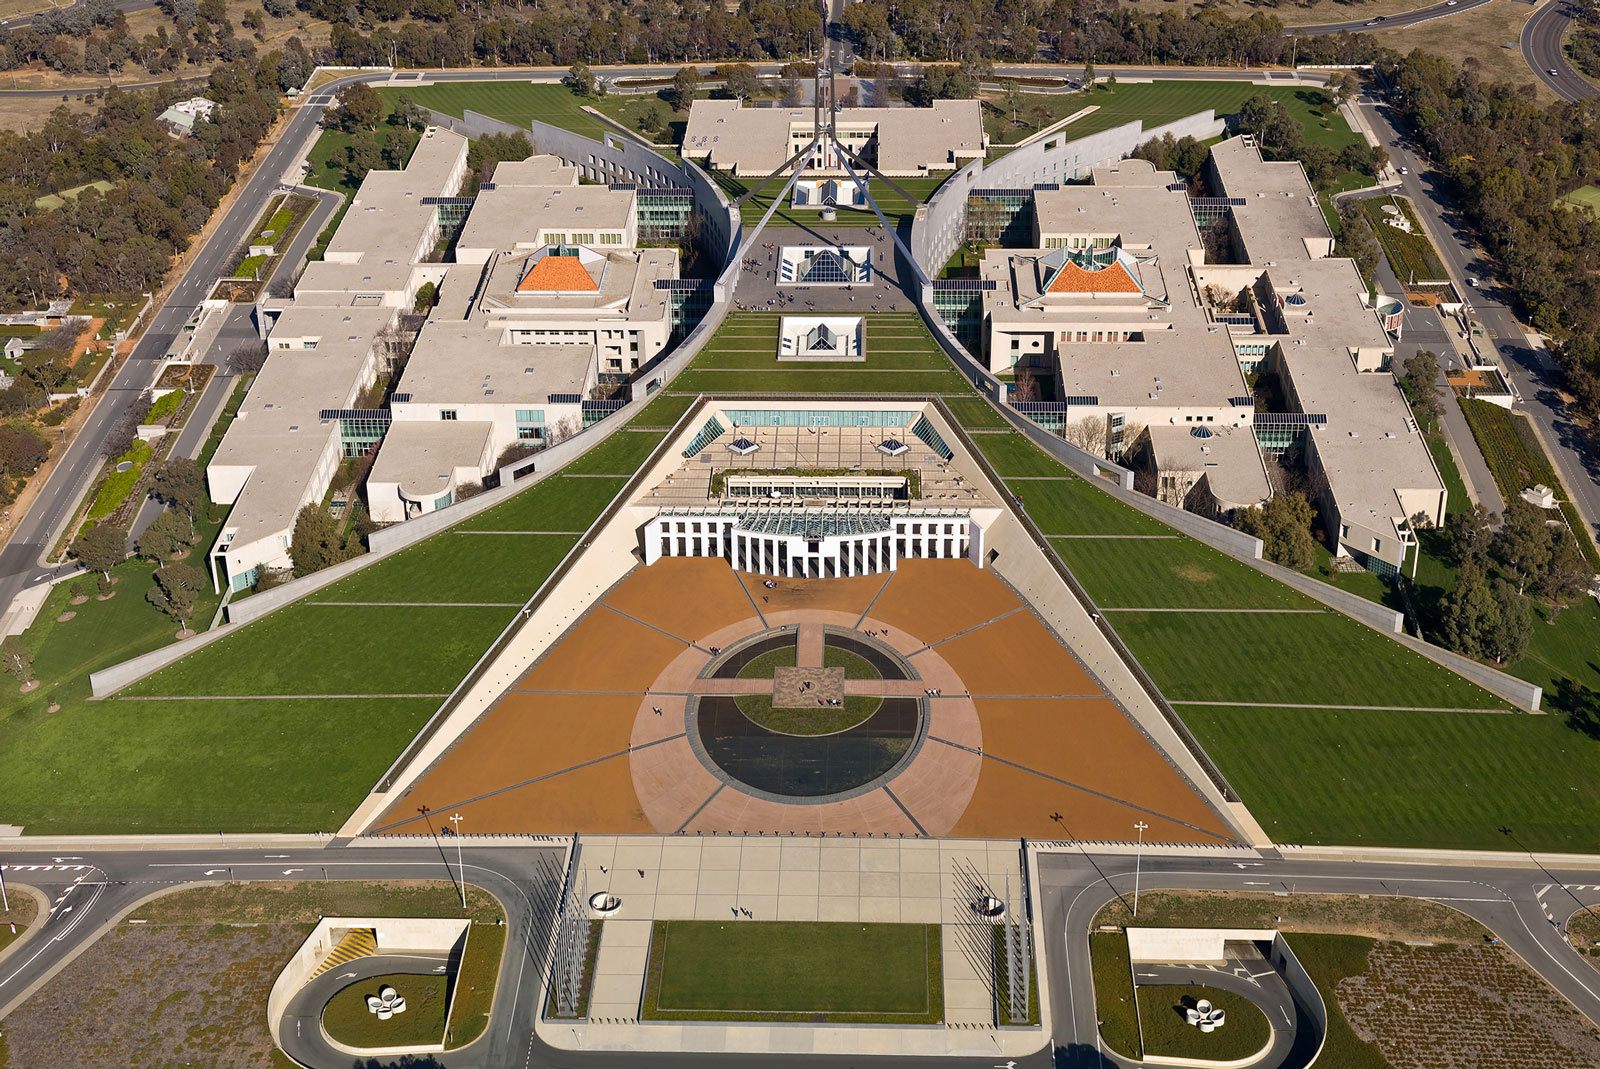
pixel 912 881
pixel 987 726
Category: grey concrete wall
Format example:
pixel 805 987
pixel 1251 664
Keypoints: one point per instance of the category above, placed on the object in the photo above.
pixel 1524 695
pixel 118 676
pixel 1303 989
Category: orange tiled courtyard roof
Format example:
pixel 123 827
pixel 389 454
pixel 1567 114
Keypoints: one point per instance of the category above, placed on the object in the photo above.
pixel 557 274
pixel 1074 279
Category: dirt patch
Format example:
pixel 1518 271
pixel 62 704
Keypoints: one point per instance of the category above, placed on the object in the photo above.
pixel 1481 35
pixel 1372 916
pixel 1462 1006
pixel 64 617
pixel 1194 573
pixel 187 995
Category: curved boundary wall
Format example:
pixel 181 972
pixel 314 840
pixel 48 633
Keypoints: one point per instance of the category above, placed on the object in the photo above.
pixel 393 934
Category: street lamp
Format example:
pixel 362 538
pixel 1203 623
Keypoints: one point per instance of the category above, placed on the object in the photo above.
pixel 460 868
pixel 1138 857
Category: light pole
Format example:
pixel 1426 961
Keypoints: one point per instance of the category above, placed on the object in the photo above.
pixel 5 903
pixel 460 868
pixel 1138 857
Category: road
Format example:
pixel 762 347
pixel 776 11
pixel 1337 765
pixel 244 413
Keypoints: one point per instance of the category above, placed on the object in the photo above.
pixel 1534 377
pixel 1390 22
pixel 1524 906
pixel 127 7
pixel 1541 47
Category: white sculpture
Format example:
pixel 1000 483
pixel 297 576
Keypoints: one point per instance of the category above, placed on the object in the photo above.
pixel 1205 1018
pixel 386 1003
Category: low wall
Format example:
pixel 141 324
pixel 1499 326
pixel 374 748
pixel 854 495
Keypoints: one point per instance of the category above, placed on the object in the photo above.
pixel 1182 946
pixel 393 933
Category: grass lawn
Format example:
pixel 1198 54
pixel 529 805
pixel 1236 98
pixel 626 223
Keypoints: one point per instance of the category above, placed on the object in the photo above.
pixel 1329 959
pixel 808 720
pixel 556 504
pixel 663 411
pixel 305 902
pixel 1070 506
pixel 1412 255
pixel 1585 197
pixel 1325 659
pixel 514 102
pixel 197 766
pixel 475 984
pixel 1171 573
pixel 1167 1033
pixel 1013 453
pixel 1385 778
pixel 1566 649
pixel 1113 993
pixel 896 209
pixel 794 971
pixel 457 567
pixel 973 412
pixel 1162 102
pixel 337 649
pixel 347 1019
pixel 620 454
pixel 119 484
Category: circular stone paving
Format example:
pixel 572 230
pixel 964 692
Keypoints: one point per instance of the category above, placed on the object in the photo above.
pixel 801 738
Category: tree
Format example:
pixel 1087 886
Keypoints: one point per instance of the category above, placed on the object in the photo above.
pixel 427 293
pixel 361 155
pixel 1088 75
pixel 1088 434
pixel 253 19
pixel 1041 115
pixel 580 79
pixel 739 81
pixel 1469 614
pixel 180 483
pixel 1356 240
pixel 1523 546
pixel 1011 97
pixel 1284 527
pixel 17 658
pixel 408 113
pixel 101 548
pixel 316 541
pixel 1420 385
pixel 176 590
pixel 1507 639
pixel 650 118
pixel 1345 87
pixel 1471 533
pixel 685 84
pixel 247 359
pixel 125 431
pixel 359 107
pixel 1568 575
pixel 167 534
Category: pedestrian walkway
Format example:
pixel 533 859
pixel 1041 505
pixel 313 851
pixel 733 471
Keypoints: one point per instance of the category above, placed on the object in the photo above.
pixel 798 878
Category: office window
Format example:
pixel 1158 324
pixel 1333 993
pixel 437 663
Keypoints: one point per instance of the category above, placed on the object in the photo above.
pixel 583 239
pixel 447 413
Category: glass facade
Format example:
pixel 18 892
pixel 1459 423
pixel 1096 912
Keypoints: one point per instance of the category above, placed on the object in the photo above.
pixel 663 214
pixel 360 430
pixel 1001 217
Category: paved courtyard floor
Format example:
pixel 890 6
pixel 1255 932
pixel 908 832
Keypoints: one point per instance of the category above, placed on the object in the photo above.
pixel 988 726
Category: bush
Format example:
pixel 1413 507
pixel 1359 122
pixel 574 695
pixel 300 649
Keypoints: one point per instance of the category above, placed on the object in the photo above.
pixel 119 484
pixel 165 406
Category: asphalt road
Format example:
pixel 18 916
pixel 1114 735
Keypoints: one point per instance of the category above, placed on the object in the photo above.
pixel 127 7
pixel 1541 47
pixel 1533 377
pixel 1409 18
pixel 1523 906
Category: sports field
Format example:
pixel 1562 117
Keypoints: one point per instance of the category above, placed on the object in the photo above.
pixel 1585 197
pixel 814 972
pixel 1389 776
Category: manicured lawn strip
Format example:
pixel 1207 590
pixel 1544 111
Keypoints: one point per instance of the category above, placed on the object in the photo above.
pixel 1411 255
pixel 1013 454
pixel 556 504
pixel 1167 1033
pixel 664 410
pixel 1564 650
pixel 762 667
pixel 620 454
pixel 794 970
pixel 475 984
pixel 514 102
pixel 1072 507
pixel 1288 658
pixel 348 1020
pixel 878 358
pixel 975 412
pixel 152 768
pixel 833 380
pixel 336 649
pixel 1113 993
pixel 1171 573
pixel 1387 778
pixel 1329 959
pixel 455 567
